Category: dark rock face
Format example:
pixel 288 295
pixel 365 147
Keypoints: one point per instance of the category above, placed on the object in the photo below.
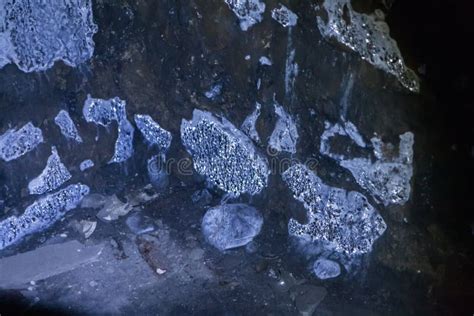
pixel 269 68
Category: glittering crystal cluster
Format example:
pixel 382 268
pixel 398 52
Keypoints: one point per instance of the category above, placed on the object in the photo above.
pixel 41 214
pixel 16 143
pixel 103 112
pixel 67 126
pixel 53 175
pixel 249 12
pixel 152 132
pixel 34 34
pixel 343 220
pixel 284 16
pixel 388 177
pixel 224 154
pixel 368 35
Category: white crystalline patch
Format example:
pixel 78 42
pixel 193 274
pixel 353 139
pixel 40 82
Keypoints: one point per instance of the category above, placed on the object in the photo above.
pixel 86 164
pixel 51 178
pixel 343 221
pixel 214 91
pixel 103 112
pixel 41 214
pixel 387 178
pixel 35 34
pixel 368 35
pixel 285 135
pixel 249 12
pixel 16 143
pixel 231 225
pixel 284 16
pixel 225 155
pixel 67 126
pixel 152 132
pixel 250 122
pixel 265 61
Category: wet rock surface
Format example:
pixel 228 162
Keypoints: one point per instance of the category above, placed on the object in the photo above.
pixel 161 58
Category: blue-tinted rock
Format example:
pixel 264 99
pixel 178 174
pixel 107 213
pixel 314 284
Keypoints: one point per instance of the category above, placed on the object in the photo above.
pixel 231 225
pixel 249 126
pixel 153 133
pixel 285 135
pixel 249 12
pixel 284 16
pixel 67 126
pixel 52 177
pixel 225 155
pixel 86 164
pixel 41 214
pixel 157 172
pixel 34 34
pixel 103 112
pixel 16 143
pixel 326 269
pixel 343 221
pixel 369 36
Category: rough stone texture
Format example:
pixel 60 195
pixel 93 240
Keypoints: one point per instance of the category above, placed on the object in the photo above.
pixel 52 177
pixel 224 154
pixel 326 269
pixel 343 221
pixel 16 143
pixel 35 34
pixel 249 12
pixel 153 133
pixel 367 35
pixel 285 135
pixel 67 126
pixel 284 16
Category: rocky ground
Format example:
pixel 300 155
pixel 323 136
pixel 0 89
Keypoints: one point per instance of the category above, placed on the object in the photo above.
pixel 161 57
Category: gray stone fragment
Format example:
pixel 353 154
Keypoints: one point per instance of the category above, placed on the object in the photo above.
pixel 231 225
pixel 285 135
pixel 113 208
pixel 153 133
pixel 45 262
pixel 369 36
pixel 103 112
pixel 326 269
pixel 249 12
pixel 52 177
pixel 34 34
pixel 157 172
pixel 225 155
pixel 16 143
pixel 67 126
pixel 41 214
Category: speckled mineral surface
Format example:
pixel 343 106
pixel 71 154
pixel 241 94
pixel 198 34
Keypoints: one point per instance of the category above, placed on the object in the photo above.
pixel 52 177
pixel 231 225
pixel 285 135
pixel 103 112
pixel 16 143
pixel 86 164
pixel 249 12
pixel 369 36
pixel 224 154
pixel 343 221
pixel 152 132
pixel 67 126
pixel 388 176
pixel 35 34
pixel 41 214
pixel 284 16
